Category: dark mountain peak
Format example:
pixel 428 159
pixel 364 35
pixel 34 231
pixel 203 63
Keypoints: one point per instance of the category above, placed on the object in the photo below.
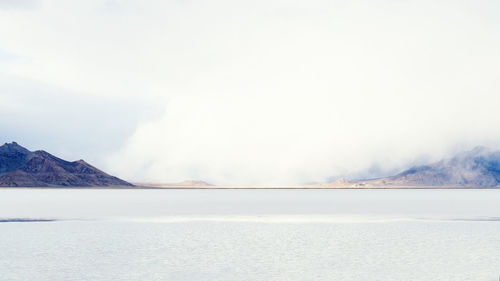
pixel 45 155
pixel 12 156
pixel 21 167
pixel 13 147
pixel 11 144
pixel 42 153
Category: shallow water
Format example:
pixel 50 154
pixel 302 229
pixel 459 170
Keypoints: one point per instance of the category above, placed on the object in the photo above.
pixel 249 234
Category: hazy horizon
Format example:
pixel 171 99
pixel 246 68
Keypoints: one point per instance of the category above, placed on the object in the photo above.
pixel 250 93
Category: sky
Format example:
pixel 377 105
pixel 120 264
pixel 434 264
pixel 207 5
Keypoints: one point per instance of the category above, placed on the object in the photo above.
pixel 250 92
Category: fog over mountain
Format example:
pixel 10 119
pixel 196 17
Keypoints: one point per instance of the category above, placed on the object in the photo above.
pixel 250 92
pixel 478 168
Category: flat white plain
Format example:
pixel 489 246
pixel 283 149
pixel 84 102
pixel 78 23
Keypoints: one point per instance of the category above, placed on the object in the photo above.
pixel 250 235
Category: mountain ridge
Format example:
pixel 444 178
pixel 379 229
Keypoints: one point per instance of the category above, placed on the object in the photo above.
pixel 479 167
pixel 20 167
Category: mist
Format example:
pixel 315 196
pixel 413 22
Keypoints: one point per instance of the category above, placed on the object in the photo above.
pixel 268 92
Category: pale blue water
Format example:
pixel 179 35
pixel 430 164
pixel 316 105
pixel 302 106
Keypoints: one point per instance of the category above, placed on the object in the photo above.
pixel 250 235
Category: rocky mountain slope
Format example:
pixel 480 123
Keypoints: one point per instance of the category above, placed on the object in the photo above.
pixel 24 168
pixel 479 168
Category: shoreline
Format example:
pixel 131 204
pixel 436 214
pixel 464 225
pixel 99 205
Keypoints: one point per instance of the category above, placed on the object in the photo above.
pixel 240 187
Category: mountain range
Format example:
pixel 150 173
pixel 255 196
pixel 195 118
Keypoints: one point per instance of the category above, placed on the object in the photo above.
pixel 19 167
pixel 478 168
pixel 24 168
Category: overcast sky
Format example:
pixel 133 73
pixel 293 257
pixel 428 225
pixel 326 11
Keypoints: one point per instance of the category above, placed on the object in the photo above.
pixel 250 92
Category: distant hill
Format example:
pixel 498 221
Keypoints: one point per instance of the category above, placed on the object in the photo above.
pixel 23 168
pixel 478 168
pixel 183 184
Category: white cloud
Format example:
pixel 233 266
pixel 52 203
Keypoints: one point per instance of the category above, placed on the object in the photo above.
pixel 18 4
pixel 273 92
